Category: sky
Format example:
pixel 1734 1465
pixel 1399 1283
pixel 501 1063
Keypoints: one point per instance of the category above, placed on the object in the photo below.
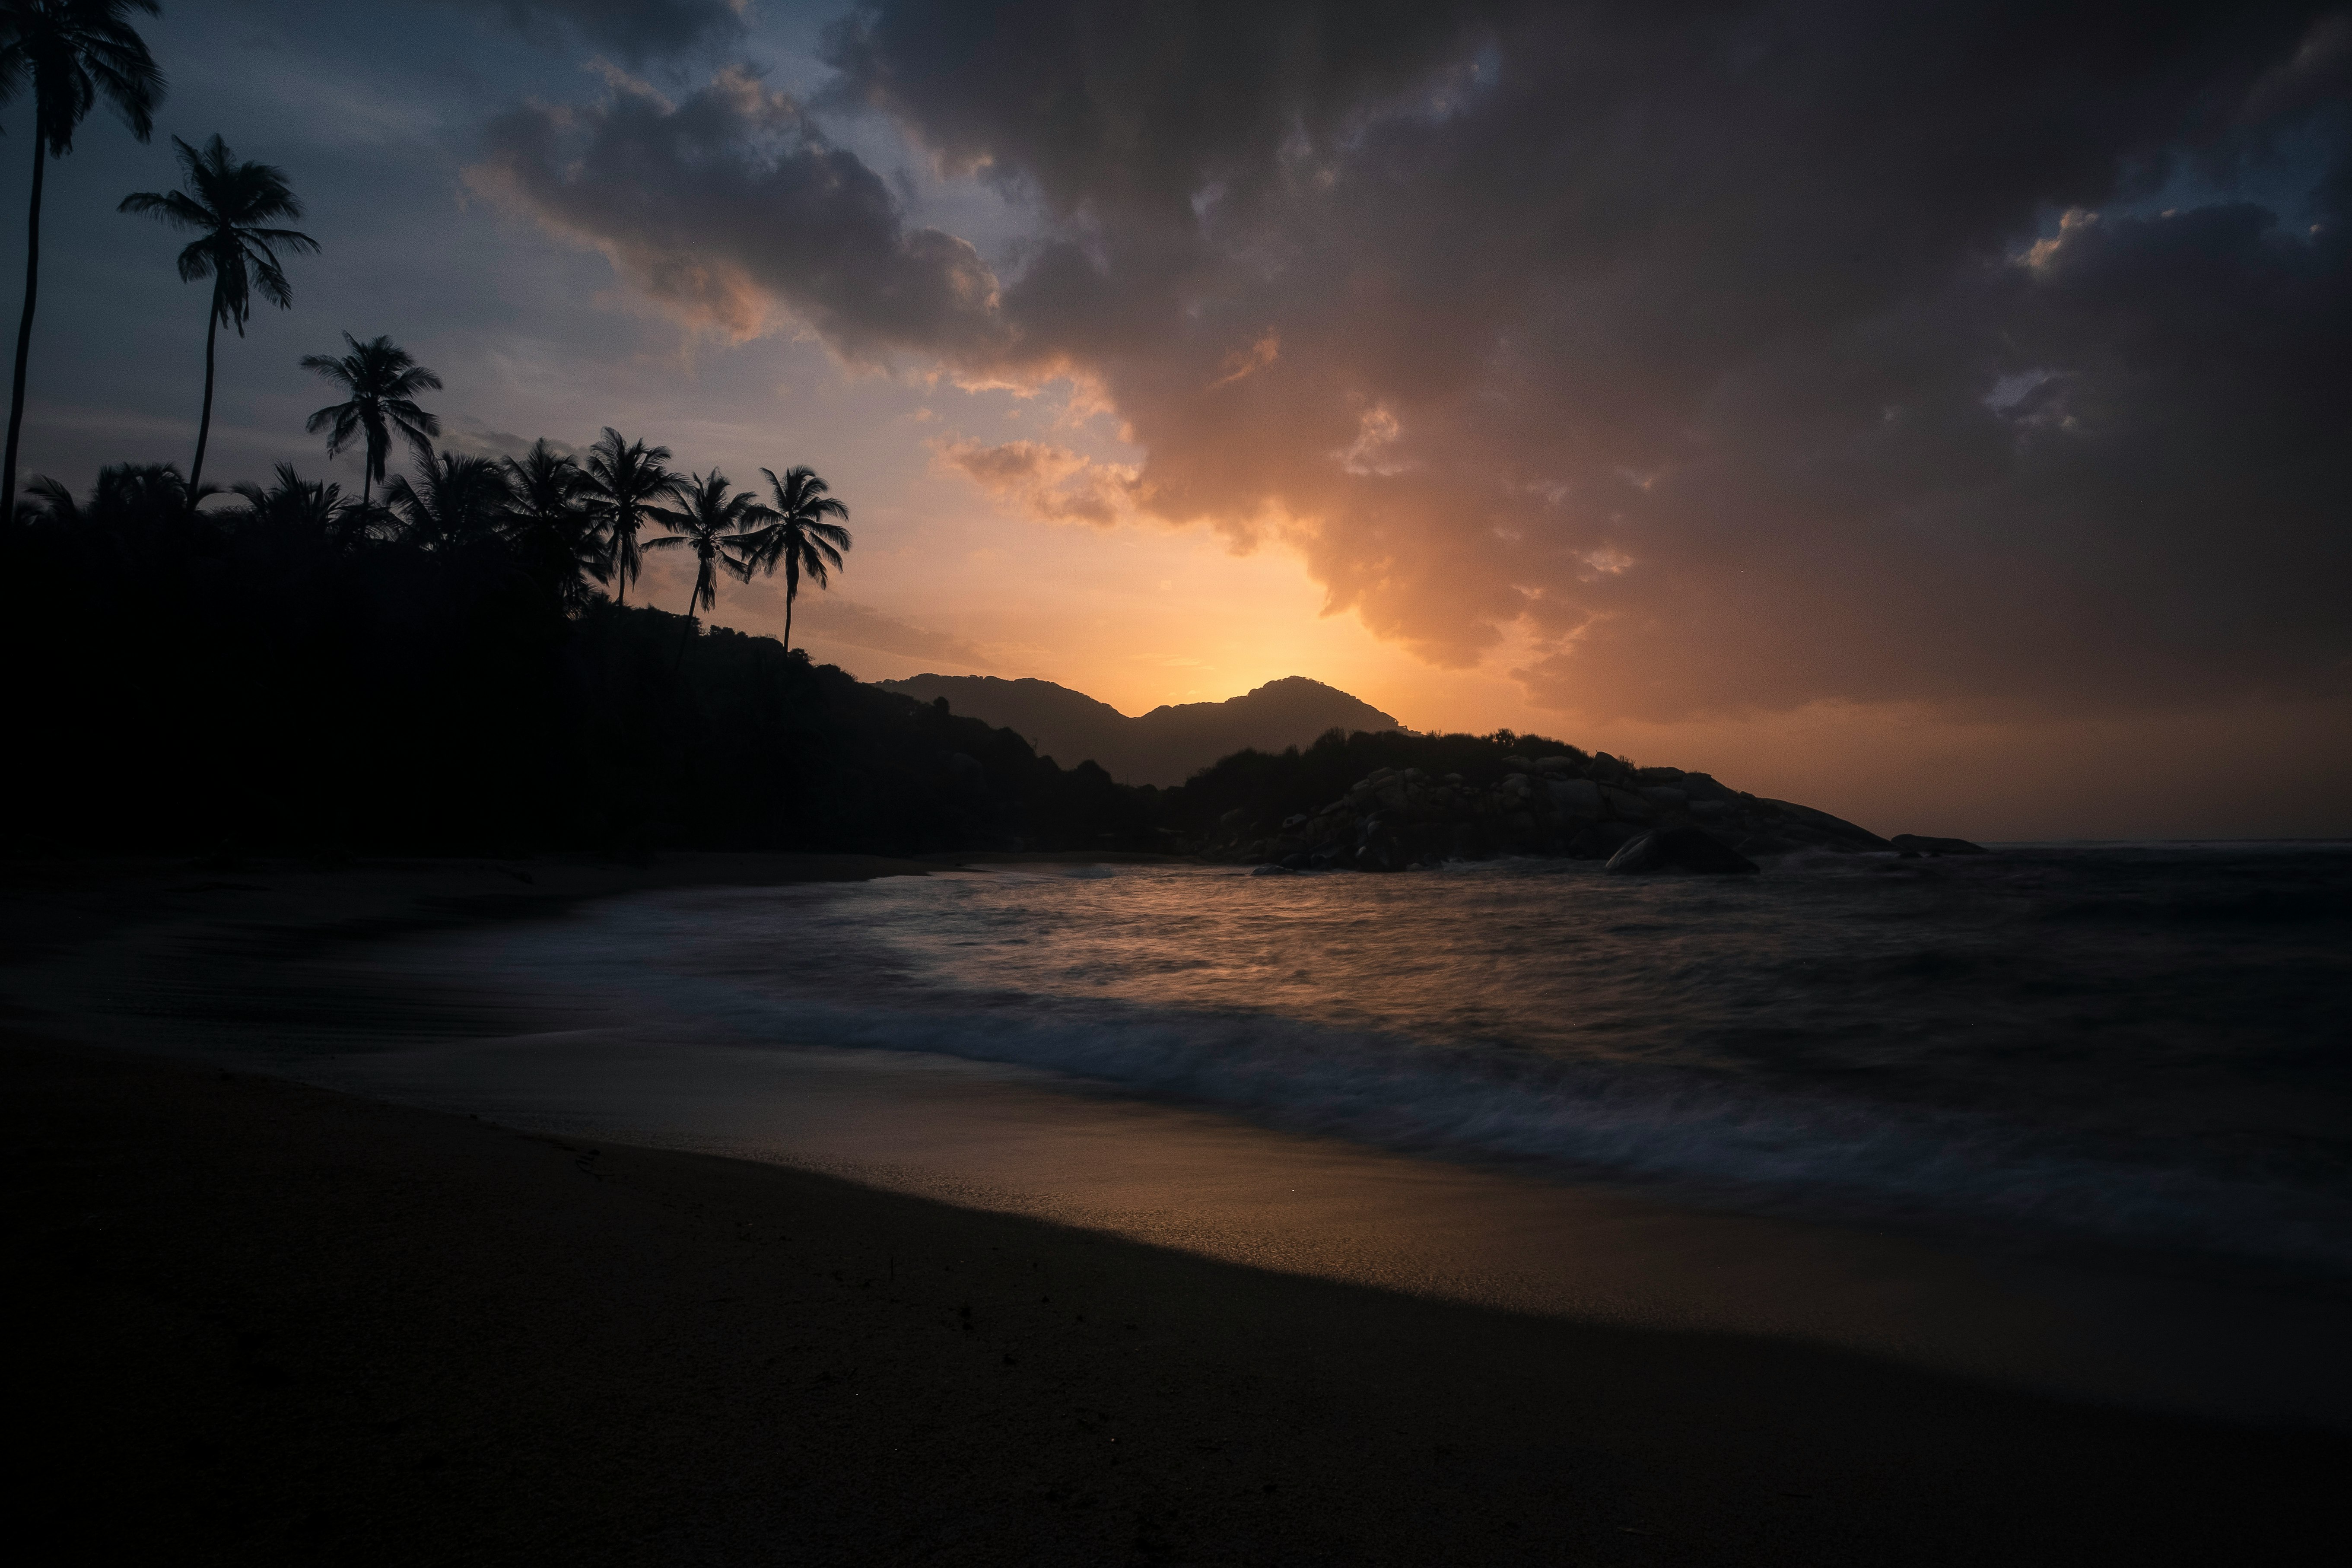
pixel 1935 413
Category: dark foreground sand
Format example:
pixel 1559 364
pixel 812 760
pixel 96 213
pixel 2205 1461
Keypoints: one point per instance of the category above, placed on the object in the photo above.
pixel 258 1322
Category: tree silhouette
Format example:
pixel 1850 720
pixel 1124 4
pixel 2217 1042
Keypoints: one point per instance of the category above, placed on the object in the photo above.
pixel 551 524
pixel 626 479
pixel 73 52
pixel 300 506
pixel 383 379
pixel 455 500
pixel 708 522
pixel 798 538
pixel 126 494
pixel 227 204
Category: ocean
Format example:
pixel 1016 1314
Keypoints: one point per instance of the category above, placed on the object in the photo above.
pixel 2146 1047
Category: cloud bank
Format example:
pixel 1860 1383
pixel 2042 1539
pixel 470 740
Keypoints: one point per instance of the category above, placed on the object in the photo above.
pixel 1724 359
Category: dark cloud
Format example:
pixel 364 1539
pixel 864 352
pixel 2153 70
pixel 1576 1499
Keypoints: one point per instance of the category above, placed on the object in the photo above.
pixel 636 31
pixel 1730 357
pixel 731 202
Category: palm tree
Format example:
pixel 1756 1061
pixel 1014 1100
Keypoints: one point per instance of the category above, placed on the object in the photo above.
pixel 298 505
pixel 797 537
pixel 454 499
pixel 74 51
pixel 383 379
pixel 551 524
pixel 124 493
pixel 710 519
pixel 226 203
pixel 626 479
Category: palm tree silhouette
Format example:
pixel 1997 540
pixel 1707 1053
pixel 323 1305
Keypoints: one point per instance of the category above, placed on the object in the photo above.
pixel 226 203
pixel 626 479
pixel 797 537
pixel 299 506
pixel 381 378
pixel 74 51
pixel 551 524
pixel 124 493
pixel 455 499
pixel 709 520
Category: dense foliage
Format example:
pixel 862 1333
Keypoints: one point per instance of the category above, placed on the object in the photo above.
pixel 299 673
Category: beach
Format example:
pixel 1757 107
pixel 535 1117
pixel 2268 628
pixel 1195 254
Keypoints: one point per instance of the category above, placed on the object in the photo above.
pixel 269 1323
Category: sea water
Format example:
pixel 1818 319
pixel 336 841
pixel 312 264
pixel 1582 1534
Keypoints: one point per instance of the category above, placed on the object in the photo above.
pixel 2076 1117
pixel 2143 1045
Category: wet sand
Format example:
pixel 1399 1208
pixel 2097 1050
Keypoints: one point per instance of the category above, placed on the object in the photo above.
pixel 271 1323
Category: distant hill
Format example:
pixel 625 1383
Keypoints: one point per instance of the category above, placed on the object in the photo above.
pixel 1165 746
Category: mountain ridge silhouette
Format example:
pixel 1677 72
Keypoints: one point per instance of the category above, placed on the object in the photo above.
pixel 1164 746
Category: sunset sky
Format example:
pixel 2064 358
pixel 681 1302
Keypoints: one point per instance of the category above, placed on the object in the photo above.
pixel 1933 413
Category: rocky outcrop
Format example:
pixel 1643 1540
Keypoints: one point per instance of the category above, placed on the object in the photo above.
pixel 1395 819
pixel 1916 844
pixel 1677 849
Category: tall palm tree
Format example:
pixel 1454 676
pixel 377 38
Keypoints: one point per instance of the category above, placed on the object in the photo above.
pixel 709 521
pixel 73 52
pixel 227 204
pixel 797 537
pixel 626 479
pixel 455 500
pixel 551 524
pixel 382 380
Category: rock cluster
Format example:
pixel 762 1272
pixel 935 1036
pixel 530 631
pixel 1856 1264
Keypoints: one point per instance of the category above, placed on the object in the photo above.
pixel 1590 809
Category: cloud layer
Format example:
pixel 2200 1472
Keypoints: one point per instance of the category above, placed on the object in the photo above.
pixel 1725 359
pixel 633 29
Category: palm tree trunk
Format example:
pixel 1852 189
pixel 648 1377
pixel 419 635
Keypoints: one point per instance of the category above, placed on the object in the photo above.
pixel 24 328
pixel 205 422
pixel 692 599
pixel 792 591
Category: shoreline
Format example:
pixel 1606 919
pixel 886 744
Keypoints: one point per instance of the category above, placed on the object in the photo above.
pixel 306 1324
pixel 299 1322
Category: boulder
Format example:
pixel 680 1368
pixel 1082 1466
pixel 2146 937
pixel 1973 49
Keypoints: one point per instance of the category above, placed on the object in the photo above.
pixel 1272 869
pixel 1598 841
pixel 1677 849
pixel 1664 795
pixel 1624 804
pixel 1919 844
pixel 1575 798
pixel 1766 844
pixel 1803 822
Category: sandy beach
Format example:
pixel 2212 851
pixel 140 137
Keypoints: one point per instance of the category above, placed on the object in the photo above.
pixel 267 1323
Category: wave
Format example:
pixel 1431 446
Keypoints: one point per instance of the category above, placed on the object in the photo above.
pixel 1744 1143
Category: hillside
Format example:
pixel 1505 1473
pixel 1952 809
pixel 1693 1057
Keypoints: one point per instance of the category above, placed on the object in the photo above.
pixel 1165 746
